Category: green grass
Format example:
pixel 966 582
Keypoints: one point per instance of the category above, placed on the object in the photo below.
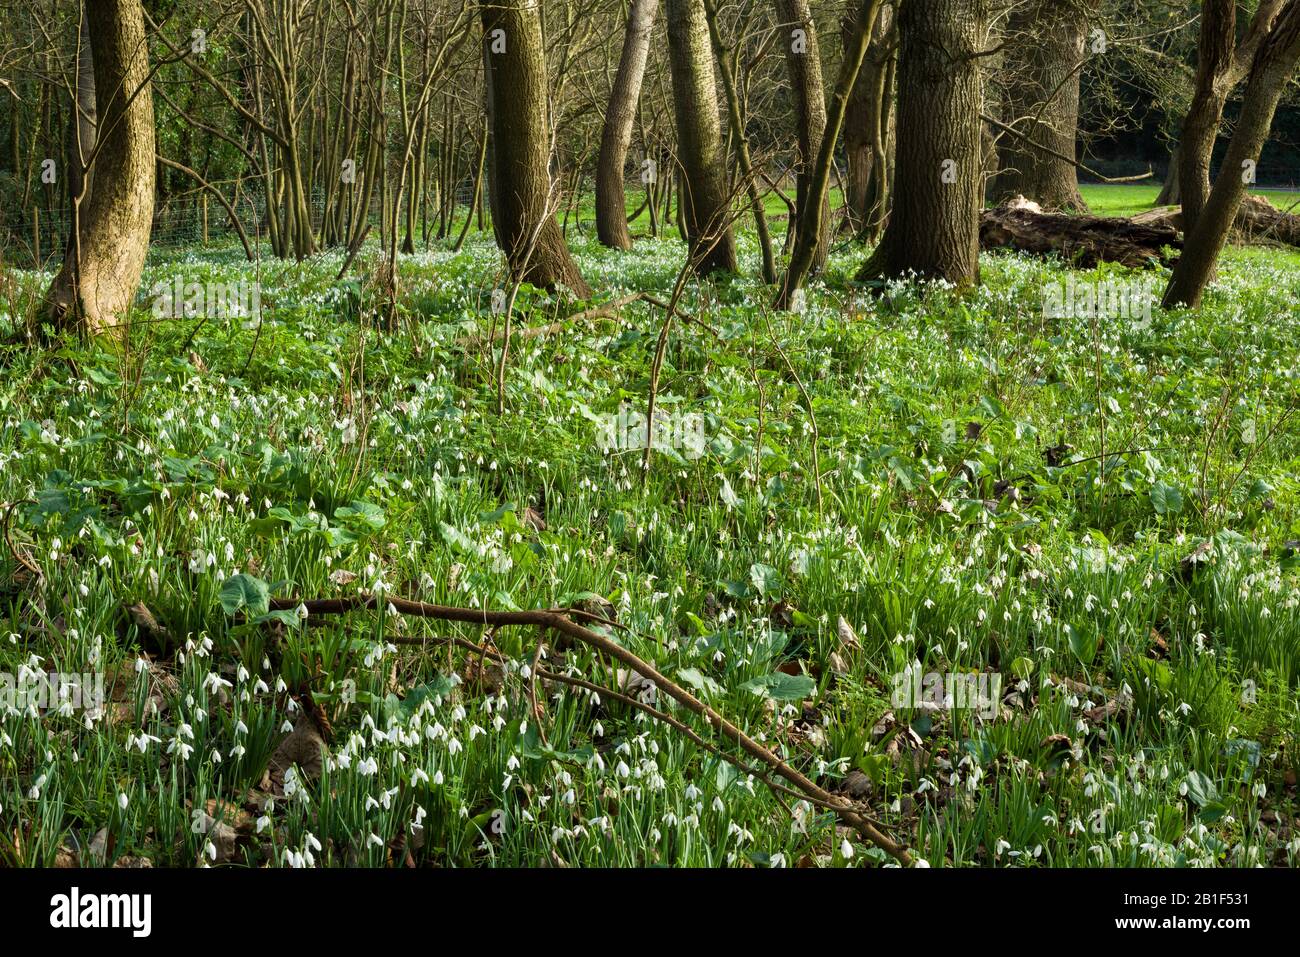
pixel 1133 198
pixel 1103 200
pixel 327 454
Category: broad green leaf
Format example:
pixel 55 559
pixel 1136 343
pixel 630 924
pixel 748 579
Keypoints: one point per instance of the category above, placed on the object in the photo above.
pixel 780 686
pixel 1166 499
pixel 245 592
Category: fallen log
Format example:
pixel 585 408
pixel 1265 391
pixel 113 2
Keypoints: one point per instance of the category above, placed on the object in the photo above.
pixel 1258 221
pixel 1082 241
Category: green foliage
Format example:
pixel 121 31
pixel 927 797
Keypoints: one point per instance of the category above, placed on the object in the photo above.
pixel 1073 505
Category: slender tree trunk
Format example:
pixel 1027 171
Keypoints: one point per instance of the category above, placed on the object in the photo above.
pixel 810 232
pixel 1272 67
pixel 1213 63
pixel 611 203
pixel 933 228
pixel 1044 58
pixel 523 197
pixel 83 126
pixel 702 199
pixel 738 136
pixel 1220 65
pixel 868 143
pixel 881 179
pixel 1171 192
pixel 94 288
pixel 804 66
pixel 478 192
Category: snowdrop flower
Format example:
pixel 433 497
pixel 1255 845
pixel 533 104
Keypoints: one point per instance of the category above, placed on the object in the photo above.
pixel 179 746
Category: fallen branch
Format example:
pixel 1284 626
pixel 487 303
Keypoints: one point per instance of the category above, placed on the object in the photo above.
pixel 20 556
pixel 603 311
pixel 557 619
pixel 628 700
pixel 1061 156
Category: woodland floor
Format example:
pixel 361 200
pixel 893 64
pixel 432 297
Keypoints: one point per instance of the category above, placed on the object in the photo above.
pixel 1137 591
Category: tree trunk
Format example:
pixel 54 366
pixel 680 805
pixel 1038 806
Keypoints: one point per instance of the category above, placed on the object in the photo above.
pixel 739 136
pixel 867 122
pixel 1171 192
pixel 803 62
pixel 95 286
pixel 1220 66
pixel 523 197
pixel 83 127
pixel 933 228
pixel 611 203
pixel 703 200
pixel 1269 73
pixel 1043 58
pixel 881 177
pixel 1213 61
pixel 811 230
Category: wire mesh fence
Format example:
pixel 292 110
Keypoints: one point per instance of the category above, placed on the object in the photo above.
pixel 38 238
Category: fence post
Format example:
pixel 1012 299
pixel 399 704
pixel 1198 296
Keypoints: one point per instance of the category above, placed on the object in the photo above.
pixel 205 219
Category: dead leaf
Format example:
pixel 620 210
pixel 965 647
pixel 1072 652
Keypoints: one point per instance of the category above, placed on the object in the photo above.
pixel 65 857
pixel 857 785
pixel 1112 707
pixel 304 747
pixel 222 835
pixel 230 814
pixel 147 624
pixel 1200 554
pixel 848 637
